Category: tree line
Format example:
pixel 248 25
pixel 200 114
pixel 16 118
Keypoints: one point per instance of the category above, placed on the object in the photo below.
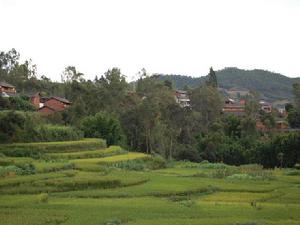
pixel 144 116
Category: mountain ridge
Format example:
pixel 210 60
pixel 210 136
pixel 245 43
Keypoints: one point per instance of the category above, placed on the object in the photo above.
pixel 271 85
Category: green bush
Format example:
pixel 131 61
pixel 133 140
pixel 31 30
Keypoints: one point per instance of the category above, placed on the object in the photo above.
pixel 6 170
pixel 43 198
pixel 103 125
pixel 17 126
pixel 114 221
pixel 21 103
pixel 240 176
pixel 152 163
pixel 58 133
pixel 223 172
pixel 292 173
pixel 157 162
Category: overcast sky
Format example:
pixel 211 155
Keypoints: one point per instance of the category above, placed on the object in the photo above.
pixel 164 36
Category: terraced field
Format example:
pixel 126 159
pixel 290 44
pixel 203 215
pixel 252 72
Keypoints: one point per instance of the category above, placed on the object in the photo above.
pixel 109 186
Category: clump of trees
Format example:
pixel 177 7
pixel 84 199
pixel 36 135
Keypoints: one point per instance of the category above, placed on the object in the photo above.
pixel 143 116
pixel 20 126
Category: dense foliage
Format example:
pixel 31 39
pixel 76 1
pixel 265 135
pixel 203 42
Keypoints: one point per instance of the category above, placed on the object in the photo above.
pixel 20 126
pixel 105 126
pixel 144 116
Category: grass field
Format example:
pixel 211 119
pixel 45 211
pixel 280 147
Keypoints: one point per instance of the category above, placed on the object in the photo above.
pixel 109 186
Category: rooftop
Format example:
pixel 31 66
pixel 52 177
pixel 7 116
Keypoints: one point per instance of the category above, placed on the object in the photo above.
pixel 5 84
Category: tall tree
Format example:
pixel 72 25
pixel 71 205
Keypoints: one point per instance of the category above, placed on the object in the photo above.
pixel 71 74
pixel 296 91
pixel 206 101
pixel 212 78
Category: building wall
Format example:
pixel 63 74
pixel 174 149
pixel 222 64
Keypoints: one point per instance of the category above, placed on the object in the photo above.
pixel 55 104
pixel 35 100
pixel 46 111
pixel 7 89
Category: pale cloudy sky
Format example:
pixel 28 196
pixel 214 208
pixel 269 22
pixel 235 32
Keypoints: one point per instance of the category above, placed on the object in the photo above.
pixel 165 36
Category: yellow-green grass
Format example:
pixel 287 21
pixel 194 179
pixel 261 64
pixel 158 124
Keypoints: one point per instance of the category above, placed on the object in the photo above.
pixel 4 161
pixel 18 149
pixel 69 181
pixel 184 194
pixel 96 164
pixel 168 185
pixel 140 211
pixel 117 158
pixel 45 167
pixel 112 150
pixel 236 197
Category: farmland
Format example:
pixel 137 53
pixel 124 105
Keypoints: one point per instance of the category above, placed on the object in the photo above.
pixel 84 182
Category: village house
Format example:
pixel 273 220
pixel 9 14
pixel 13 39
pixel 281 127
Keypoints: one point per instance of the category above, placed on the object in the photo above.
pixel 182 98
pixel 49 105
pixel 266 106
pixel 233 107
pixel 7 90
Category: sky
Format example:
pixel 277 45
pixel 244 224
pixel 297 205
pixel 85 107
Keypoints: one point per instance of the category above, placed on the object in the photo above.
pixel 163 36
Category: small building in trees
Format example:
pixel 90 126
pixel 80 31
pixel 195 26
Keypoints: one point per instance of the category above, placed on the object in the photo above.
pixel 266 106
pixel 36 100
pixel 182 98
pixel 57 103
pixel 49 105
pixel 7 90
pixel 233 107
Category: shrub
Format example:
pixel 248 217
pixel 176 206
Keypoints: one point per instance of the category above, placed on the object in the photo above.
pixel 58 133
pixel 103 125
pixel 187 153
pixel 10 170
pixel 156 162
pixel 292 172
pixel 247 223
pixel 27 169
pixel 43 198
pixel 21 103
pixel 223 172
pixel 153 163
pixel 240 177
pixel 114 221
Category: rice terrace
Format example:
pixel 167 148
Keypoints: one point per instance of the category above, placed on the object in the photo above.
pixel 150 112
pixel 84 182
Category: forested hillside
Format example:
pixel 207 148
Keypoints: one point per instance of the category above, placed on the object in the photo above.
pixel 270 85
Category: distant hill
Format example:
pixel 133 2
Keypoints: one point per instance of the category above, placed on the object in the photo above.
pixel 271 86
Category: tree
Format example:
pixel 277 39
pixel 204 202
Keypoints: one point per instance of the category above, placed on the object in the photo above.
pixel 71 74
pixel 294 117
pixel 168 84
pixel 9 60
pixel 232 126
pixel 296 91
pixel 112 88
pixel 207 101
pixel 267 119
pixel 252 104
pixel 212 78
pixel 103 125
pixel 288 107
